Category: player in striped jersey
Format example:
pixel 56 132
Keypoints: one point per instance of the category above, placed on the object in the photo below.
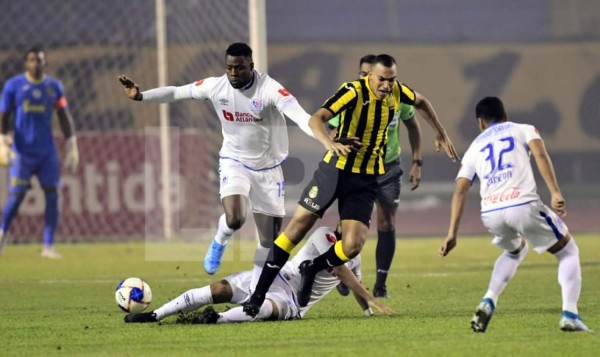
pixel 348 172
pixel 34 96
pixel 389 184
pixel 512 211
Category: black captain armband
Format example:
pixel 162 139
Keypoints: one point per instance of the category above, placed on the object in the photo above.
pixel 419 162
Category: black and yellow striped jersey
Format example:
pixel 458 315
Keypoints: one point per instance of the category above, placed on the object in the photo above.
pixel 365 116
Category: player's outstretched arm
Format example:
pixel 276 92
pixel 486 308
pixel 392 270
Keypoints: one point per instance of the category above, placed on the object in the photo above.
pixel 414 137
pixel 442 139
pixel 363 297
pixel 456 211
pixel 544 164
pixel 293 110
pixel 167 94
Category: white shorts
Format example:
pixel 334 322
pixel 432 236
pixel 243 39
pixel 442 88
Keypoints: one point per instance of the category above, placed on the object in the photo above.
pixel 240 286
pixel 534 221
pixel 280 293
pixel 265 188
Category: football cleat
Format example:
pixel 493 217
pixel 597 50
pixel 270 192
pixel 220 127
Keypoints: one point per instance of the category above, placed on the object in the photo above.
pixel 306 282
pixel 142 317
pixel 380 292
pixel 482 315
pixel 208 316
pixel 213 257
pixel 342 289
pixel 571 322
pixel 252 306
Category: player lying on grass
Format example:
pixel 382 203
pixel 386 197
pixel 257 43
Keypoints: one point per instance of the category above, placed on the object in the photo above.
pixel 281 302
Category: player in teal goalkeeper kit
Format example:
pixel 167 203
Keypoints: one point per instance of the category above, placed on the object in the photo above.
pixel 388 192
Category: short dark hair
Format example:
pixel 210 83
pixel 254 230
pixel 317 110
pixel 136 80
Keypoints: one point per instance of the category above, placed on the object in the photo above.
pixel 239 49
pixel 35 49
pixel 490 109
pixel 386 60
pixel 370 59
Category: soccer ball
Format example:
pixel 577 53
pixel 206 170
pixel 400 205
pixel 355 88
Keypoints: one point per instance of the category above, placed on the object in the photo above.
pixel 133 295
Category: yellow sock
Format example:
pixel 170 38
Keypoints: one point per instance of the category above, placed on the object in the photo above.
pixel 284 243
pixel 340 252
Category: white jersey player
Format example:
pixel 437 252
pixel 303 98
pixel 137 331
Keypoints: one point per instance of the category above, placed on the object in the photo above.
pixel 512 211
pixel 281 302
pixel 251 107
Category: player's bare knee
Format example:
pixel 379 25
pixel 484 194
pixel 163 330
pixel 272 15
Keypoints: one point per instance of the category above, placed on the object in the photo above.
pixel 385 218
pixel 352 249
pixel 235 221
pixel 221 292
pixel 386 225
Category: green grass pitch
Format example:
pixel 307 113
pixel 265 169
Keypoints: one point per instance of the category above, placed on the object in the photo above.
pixel 67 307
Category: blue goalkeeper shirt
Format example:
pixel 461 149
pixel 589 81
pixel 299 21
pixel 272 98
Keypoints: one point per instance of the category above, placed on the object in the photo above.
pixel 33 103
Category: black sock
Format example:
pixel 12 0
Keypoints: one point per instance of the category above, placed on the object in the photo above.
pixel 326 260
pixel 275 261
pixel 384 253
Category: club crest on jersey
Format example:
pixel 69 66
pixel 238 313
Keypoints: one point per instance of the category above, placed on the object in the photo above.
pixel 314 191
pixel 36 93
pixel 256 105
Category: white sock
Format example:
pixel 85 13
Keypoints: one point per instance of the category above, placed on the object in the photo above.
pixel 224 233
pixel 186 302
pixel 504 270
pixel 569 275
pixel 260 256
pixel 237 314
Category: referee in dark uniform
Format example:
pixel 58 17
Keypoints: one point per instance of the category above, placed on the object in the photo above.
pixel 348 173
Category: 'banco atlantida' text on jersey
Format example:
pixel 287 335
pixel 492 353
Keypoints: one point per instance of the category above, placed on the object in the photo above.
pixel 253 126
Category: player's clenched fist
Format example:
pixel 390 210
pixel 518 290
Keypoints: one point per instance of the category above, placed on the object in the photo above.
pixel 132 90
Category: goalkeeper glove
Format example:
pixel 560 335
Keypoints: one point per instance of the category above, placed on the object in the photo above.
pixel 72 157
pixel 7 155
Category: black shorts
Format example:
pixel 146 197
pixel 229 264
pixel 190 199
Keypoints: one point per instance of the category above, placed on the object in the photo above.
pixel 388 192
pixel 355 193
